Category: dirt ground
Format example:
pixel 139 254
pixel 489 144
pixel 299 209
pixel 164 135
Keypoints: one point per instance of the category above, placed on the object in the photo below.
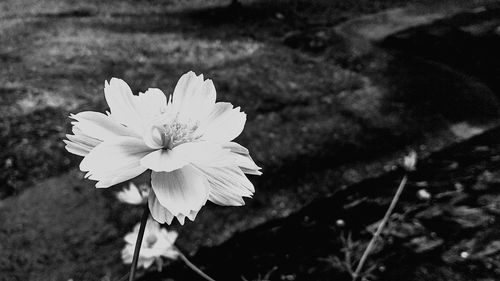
pixel 335 92
pixel 449 233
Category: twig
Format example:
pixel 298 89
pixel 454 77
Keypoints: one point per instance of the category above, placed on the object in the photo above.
pixel 380 228
pixel 193 267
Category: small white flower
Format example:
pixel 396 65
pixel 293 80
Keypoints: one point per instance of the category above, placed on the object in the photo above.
pixel 134 195
pixel 186 140
pixel 157 242
pixel 410 161
pixel 423 194
pixel 340 223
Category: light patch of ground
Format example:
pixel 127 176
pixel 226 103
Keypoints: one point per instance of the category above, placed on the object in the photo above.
pixel 17 8
pixel 378 26
pixel 464 130
pixel 362 30
pixel 33 102
pixel 84 46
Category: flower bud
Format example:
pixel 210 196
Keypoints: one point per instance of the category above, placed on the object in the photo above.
pixel 410 161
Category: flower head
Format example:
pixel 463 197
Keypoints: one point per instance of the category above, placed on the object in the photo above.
pixel 134 195
pixel 186 140
pixel 157 243
pixel 410 161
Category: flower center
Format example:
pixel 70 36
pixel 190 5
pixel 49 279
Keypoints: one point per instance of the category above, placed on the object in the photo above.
pixel 177 133
pixel 151 240
pixel 169 131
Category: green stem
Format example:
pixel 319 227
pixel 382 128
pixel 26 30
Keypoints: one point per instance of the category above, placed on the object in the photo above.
pixel 144 220
pixel 380 228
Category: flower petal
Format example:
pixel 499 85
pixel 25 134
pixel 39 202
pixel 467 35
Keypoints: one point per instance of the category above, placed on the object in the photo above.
pixel 90 129
pixel 193 97
pixel 163 215
pixel 117 176
pixel 158 212
pixel 227 185
pixel 84 140
pixel 169 236
pixel 236 148
pixel 131 195
pixel 208 154
pixel 180 191
pixel 224 198
pixel 223 124
pixel 152 136
pixel 170 253
pixel 146 262
pixel 127 254
pixel 122 104
pixel 165 160
pixel 242 158
pixel 203 153
pixel 150 104
pixel 145 259
pixel 99 126
pixel 115 160
pixel 77 148
pixel 191 216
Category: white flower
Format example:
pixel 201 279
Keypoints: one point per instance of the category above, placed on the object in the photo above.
pixel 186 140
pixel 134 195
pixel 410 161
pixel 423 194
pixel 157 242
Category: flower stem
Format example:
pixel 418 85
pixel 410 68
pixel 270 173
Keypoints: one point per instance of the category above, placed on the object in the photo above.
pixel 193 267
pixel 138 242
pixel 381 226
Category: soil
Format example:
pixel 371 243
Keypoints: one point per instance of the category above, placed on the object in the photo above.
pixel 449 233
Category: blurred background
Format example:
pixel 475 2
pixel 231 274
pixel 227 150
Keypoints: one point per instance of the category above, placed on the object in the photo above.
pixel 336 93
